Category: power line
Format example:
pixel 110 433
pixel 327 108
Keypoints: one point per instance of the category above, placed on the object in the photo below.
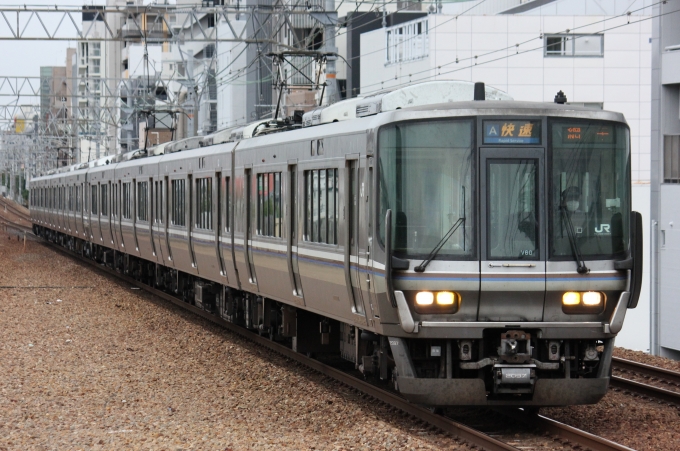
pixel 516 46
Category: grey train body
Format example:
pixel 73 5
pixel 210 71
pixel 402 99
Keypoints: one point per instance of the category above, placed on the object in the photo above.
pixel 255 229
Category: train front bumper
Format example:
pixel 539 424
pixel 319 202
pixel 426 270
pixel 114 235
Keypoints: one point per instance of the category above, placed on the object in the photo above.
pixel 472 392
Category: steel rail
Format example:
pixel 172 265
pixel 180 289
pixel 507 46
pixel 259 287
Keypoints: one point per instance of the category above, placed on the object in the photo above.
pixel 646 370
pixel 575 435
pixel 458 430
pixel 650 391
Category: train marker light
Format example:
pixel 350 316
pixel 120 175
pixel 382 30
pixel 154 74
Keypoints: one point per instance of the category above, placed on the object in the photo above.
pixel 445 298
pixel 571 298
pixel 592 298
pixel 424 298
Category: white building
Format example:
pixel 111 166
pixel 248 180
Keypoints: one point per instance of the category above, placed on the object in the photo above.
pixel 91 93
pixel 602 61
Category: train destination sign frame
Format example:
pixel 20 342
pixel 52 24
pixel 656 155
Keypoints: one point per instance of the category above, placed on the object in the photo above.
pixel 580 133
pixel 512 132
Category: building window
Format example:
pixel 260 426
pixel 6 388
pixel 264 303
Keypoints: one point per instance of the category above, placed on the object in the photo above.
pixel 178 199
pixel 143 201
pixel 321 206
pixel 569 45
pixel 269 204
pixel 93 199
pixel 127 211
pixel 103 191
pixel 407 42
pixel 671 159
pixel 204 203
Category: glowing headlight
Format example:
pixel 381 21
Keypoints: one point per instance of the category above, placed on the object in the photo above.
pixel 445 298
pixel 424 298
pixel 571 298
pixel 590 302
pixel 592 298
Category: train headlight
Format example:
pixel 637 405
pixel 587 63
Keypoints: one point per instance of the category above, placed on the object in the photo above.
pixel 434 302
pixel 583 302
pixel 445 298
pixel 592 298
pixel 571 298
pixel 424 298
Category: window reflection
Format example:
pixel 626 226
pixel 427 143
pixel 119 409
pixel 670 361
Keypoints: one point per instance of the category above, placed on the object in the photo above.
pixel 512 214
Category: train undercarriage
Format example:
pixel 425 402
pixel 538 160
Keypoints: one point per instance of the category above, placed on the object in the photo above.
pixel 512 366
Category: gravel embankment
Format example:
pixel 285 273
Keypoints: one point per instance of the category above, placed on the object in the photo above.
pixel 88 363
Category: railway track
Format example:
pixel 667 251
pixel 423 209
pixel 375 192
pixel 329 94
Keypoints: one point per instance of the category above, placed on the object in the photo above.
pixel 8 205
pixel 13 217
pixel 564 436
pixel 648 373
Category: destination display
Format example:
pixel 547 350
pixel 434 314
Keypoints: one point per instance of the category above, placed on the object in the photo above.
pixel 587 134
pixel 512 132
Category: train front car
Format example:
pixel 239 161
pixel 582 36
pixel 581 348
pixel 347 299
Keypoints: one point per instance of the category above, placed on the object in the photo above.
pixel 514 251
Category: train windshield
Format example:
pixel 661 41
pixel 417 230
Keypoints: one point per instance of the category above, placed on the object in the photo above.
pixel 425 179
pixel 590 189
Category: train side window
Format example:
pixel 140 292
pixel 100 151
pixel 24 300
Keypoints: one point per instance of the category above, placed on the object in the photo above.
pixel 178 201
pixel 321 206
pixel 114 201
pixel 104 204
pixel 269 204
pixel 204 203
pixel 143 201
pixel 158 215
pixel 227 204
pixel 93 199
pixel 127 213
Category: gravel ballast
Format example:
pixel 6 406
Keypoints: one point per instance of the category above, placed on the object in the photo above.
pixel 89 363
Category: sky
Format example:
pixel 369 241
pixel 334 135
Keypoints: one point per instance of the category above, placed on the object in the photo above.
pixel 24 58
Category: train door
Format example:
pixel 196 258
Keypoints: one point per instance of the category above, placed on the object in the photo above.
pixel 119 215
pixel 217 208
pixel 512 186
pixel 135 213
pixel 80 208
pixel 190 220
pixel 352 203
pixel 249 226
pixel 365 236
pixel 166 220
pixel 293 220
pixel 98 211
pixel 157 221
pixel 87 220
pixel 152 217
pixel 111 200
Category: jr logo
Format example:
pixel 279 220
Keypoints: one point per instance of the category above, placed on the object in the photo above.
pixel 604 228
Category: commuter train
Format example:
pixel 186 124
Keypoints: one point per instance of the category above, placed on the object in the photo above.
pixel 465 247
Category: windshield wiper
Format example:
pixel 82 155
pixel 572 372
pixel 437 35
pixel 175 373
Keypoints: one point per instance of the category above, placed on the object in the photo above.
pixel 580 263
pixel 421 267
